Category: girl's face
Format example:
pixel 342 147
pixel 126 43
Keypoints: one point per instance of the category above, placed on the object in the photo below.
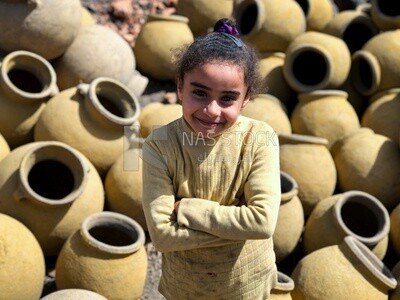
pixel 212 97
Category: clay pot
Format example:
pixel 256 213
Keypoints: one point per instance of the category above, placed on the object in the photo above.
pixel 382 114
pixel 271 70
pixel 283 288
pixel 69 294
pixel 137 84
pixel 290 219
pixel 4 148
pixel 326 114
pixel 354 27
pixel 49 181
pixel 352 213
pixel 395 294
pixel 86 17
pixel 308 160
pixel 267 108
pixel 369 162
pixel 106 256
pixel 203 14
pixel 376 67
pixel 316 61
pixel 385 14
pixel 156 115
pixel 324 273
pixel 22 269
pixel 97 51
pixel 27 81
pixel 158 36
pixel 394 229
pixel 91 118
pixel 318 13
pixel 260 23
pixel 44 27
pixel 123 186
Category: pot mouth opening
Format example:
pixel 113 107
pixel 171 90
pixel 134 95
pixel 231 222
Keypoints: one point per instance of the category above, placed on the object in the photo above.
pixel 358 33
pixel 284 284
pixel 363 74
pixel 247 15
pixel 309 68
pixel 376 267
pixel 28 75
pixel 362 216
pixel 289 187
pixel 114 101
pixel 53 174
pixel 390 9
pixel 113 233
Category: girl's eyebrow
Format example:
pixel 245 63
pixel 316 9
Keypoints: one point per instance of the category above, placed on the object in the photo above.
pixel 199 85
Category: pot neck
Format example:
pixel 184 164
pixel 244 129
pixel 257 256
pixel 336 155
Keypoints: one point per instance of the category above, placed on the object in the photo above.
pixel 285 285
pixel 323 94
pixel 289 187
pixel 27 77
pixel 249 15
pixel 110 103
pixel 112 233
pixel 52 174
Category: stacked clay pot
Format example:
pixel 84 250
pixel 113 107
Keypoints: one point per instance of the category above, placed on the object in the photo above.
pixel 51 188
pixel 27 81
pixel 316 60
pixel 318 13
pixel 341 272
pixel 352 213
pixel 106 255
pixel 123 186
pixel 376 67
pixel 307 159
pixel 98 112
pixel 290 219
pixel 381 114
pixel 267 108
pixel 324 113
pixel 283 288
pixel 158 36
pixel 203 14
pixel 260 23
pixel 69 294
pixel 44 27
pixel 22 269
pixel 369 162
pixel 385 14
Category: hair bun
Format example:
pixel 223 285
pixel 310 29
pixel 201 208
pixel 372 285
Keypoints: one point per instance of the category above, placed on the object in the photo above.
pixel 226 26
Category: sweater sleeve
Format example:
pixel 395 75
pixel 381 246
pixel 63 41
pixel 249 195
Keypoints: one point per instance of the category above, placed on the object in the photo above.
pixel 158 206
pixel 256 220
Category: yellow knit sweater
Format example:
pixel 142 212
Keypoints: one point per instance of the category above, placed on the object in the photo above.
pixel 213 248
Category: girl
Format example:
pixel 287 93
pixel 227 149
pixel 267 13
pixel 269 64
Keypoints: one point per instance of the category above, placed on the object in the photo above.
pixel 211 181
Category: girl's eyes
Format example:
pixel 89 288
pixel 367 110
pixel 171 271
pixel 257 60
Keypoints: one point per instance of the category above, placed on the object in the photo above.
pixel 203 94
pixel 200 93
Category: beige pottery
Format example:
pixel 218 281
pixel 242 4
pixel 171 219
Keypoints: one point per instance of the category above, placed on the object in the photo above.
pixel 385 14
pixel 73 294
pixel 283 288
pixel 318 13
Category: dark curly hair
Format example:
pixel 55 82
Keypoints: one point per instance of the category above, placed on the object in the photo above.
pixel 222 45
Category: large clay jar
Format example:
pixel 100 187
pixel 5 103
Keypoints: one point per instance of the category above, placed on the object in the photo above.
pixel 354 27
pixel 51 188
pixel 78 294
pixel 352 213
pixel 316 61
pixel 203 14
pixel 318 13
pixel 271 71
pixel 45 27
pixel 395 294
pixel 376 67
pixel 394 234
pixel 341 272
pixel 123 186
pixel 106 256
pixel 382 114
pixel 97 51
pixel 369 162
pixel 157 38
pixel 22 269
pixel 27 81
pixel 91 118
pixel 324 113
pixel 290 219
pixel 156 115
pixel 307 159
pixel 283 288
pixel 386 14
pixel 260 23
pixel 267 108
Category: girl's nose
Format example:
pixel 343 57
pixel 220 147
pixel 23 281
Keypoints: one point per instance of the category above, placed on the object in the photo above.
pixel 212 109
